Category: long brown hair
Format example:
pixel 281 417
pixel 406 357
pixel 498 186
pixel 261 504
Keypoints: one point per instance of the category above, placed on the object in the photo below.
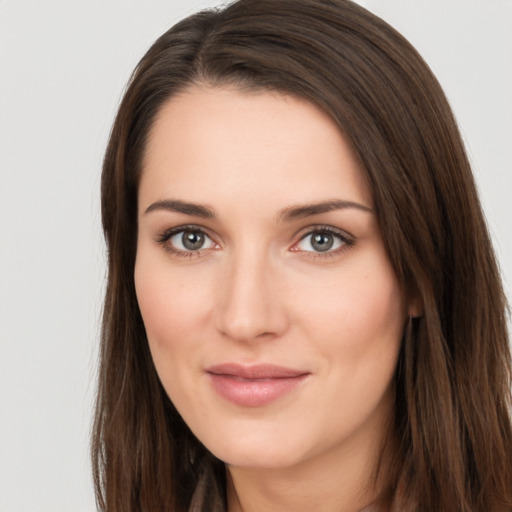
pixel 453 380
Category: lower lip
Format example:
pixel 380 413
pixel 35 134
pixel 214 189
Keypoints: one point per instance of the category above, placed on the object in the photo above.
pixel 253 392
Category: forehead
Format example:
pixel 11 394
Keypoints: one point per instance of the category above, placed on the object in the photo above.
pixel 227 143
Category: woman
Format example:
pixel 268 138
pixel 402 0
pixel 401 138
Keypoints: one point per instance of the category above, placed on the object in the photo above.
pixel 303 309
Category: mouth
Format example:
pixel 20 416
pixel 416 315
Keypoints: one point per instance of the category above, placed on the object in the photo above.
pixel 254 386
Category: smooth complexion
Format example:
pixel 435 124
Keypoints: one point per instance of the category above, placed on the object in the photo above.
pixel 272 312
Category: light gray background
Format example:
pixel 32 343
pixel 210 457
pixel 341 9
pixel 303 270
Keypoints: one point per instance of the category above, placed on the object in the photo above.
pixel 63 66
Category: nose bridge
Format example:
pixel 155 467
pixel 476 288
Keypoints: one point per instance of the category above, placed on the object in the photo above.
pixel 250 304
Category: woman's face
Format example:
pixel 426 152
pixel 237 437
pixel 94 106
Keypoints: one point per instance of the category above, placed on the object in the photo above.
pixel 272 312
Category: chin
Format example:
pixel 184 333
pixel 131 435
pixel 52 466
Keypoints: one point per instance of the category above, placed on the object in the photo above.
pixel 258 450
pixel 267 458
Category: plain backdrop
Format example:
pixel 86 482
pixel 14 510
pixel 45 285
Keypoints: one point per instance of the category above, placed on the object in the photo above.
pixel 63 67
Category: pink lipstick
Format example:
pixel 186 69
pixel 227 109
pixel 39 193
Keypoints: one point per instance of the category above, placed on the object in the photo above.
pixel 253 386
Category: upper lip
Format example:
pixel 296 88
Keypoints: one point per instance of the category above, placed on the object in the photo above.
pixel 257 371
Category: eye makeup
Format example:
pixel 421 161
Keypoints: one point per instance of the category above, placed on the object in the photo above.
pixel 186 241
pixel 318 241
pixel 322 241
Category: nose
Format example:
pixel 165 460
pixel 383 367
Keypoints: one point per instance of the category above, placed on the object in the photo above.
pixel 250 305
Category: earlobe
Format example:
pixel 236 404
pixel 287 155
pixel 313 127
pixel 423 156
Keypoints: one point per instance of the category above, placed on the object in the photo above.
pixel 415 307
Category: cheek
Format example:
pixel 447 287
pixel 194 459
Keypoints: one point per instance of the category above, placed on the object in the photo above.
pixel 376 308
pixel 357 328
pixel 171 305
pixel 358 316
pixel 174 311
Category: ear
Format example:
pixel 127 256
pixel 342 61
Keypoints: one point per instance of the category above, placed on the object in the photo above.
pixel 415 306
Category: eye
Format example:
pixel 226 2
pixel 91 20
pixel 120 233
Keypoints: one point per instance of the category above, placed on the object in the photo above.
pixel 323 240
pixel 191 240
pixel 185 241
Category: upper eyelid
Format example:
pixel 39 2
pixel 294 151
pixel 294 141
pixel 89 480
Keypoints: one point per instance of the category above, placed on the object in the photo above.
pixel 302 233
pixel 297 237
pixel 164 239
pixel 168 233
pixel 347 241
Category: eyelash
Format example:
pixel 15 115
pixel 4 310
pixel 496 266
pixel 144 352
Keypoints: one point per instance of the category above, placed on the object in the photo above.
pixel 347 241
pixel 164 238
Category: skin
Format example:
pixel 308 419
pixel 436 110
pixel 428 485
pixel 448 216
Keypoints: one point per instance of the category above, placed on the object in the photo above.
pixel 258 291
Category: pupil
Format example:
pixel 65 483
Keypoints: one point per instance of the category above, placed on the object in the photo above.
pixel 322 242
pixel 192 240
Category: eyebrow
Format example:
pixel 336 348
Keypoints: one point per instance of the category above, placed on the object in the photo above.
pixel 286 215
pixel 174 205
pixel 308 210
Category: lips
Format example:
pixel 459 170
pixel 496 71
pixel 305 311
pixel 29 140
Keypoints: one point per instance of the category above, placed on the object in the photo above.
pixel 254 386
